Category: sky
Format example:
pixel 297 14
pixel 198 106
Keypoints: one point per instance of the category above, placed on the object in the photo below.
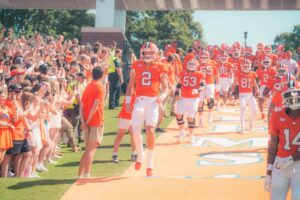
pixel 229 26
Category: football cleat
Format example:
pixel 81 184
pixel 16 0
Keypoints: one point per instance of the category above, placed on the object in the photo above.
pixel 137 165
pixel 149 172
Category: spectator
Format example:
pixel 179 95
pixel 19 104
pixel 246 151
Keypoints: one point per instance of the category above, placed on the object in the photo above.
pixel 292 65
pixel 115 78
pixel 91 115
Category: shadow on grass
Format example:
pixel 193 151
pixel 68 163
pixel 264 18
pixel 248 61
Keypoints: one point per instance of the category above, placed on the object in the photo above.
pixel 28 184
pixel 107 146
pixel 84 181
pixel 73 164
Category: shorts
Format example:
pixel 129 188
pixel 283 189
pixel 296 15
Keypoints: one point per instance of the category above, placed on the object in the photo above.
pixel 124 123
pixel 224 84
pixel 188 106
pixel 93 133
pixel 145 110
pixel 19 147
pixel 208 93
pixel 55 121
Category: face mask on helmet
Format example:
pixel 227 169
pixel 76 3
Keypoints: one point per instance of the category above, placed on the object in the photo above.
pixel 192 65
pixel 224 59
pixel 149 52
pixel 236 54
pixel 260 47
pixel 281 71
pixel 246 67
pixel 204 59
pixel 148 55
pixel 266 63
pixel 291 99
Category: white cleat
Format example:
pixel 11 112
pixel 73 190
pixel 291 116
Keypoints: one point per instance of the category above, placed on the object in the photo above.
pixel 181 135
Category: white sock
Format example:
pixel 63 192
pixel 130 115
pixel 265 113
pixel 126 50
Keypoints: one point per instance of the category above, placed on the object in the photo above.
pixel 150 154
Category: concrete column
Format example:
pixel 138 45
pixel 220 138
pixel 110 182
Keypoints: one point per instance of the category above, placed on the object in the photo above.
pixel 120 20
pixel 264 4
pixel 246 4
pixel 105 13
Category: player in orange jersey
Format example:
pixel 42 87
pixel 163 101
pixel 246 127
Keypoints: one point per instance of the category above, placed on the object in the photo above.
pixel 280 52
pixel 210 71
pixel 187 92
pixel 124 124
pixel 147 75
pixel 247 82
pixel 283 164
pixel 235 61
pixel 275 85
pixel 263 74
pixel 225 73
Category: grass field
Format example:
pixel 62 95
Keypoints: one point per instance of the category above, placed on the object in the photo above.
pixel 53 184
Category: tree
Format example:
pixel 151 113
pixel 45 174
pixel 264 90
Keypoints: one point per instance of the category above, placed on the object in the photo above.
pixel 291 41
pixel 162 27
pixel 48 22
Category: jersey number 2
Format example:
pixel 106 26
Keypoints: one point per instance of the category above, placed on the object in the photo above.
pixel 146 78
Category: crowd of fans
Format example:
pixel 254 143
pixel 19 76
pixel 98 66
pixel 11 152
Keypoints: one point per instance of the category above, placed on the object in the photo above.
pixel 42 79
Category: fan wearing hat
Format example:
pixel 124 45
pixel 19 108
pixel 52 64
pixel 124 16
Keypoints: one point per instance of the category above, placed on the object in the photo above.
pixel 20 149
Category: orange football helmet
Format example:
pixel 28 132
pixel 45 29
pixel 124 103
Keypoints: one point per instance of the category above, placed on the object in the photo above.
pixel 224 58
pixel 246 65
pixel 197 45
pixel 236 52
pixel 266 62
pixel 281 70
pixel 149 52
pixel 260 47
pixel 268 50
pixel 204 57
pixel 224 47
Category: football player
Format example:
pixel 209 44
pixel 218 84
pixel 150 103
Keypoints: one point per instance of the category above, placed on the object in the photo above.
pixel 263 74
pixel 209 69
pixel 225 73
pixel 187 92
pixel 247 82
pixel 146 76
pixel 283 164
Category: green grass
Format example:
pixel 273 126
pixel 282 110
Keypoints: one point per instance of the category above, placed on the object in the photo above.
pixel 52 185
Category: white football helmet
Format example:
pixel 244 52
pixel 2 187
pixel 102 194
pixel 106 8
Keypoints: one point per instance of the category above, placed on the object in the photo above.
pixel 192 65
pixel 291 98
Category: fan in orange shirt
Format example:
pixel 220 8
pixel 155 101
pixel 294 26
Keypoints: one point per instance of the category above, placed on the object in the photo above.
pixel 247 82
pixel 188 88
pixel 147 75
pixel 209 69
pixel 6 126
